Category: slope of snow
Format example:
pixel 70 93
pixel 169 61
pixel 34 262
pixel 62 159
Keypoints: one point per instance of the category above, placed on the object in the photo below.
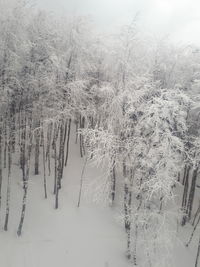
pixel 88 236
pixel 84 237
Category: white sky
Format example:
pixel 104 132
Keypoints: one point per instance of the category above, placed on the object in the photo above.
pixel 178 18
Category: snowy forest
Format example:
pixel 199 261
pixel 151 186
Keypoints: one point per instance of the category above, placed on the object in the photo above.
pixel 119 111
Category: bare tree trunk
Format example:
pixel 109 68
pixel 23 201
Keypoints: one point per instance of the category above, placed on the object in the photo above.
pixel 68 137
pixel 82 139
pixel 197 257
pixel 184 174
pixel 1 175
pixel 135 245
pixel 5 141
pixel 61 154
pixel 129 225
pixel 60 165
pixel 136 237
pixel 48 150
pixel 13 128
pixel 23 148
pixel 126 193
pixel 185 194
pixel 76 122
pixel 65 137
pixel 81 183
pixel 129 211
pixel 113 182
pixel 55 156
pixel 80 136
pixel 55 168
pixel 19 126
pixel 63 146
pixel 196 214
pixel 192 193
pixel 8 185
pixel 44 162
pixel 195 227
pixel 37 148
pixel 25 187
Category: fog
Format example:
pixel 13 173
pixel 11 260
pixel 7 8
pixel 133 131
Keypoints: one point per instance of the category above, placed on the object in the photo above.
pixel 179 19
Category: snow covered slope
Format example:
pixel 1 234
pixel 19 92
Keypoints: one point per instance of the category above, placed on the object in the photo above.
pixel 84 237
pixel 89 236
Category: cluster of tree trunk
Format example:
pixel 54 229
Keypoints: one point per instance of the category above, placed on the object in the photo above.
pixel 39 144
pixel 65 74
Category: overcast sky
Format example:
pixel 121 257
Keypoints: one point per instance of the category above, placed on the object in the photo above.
pixel 179 18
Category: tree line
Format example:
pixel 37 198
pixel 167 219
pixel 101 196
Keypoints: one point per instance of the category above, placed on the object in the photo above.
pixel 134 102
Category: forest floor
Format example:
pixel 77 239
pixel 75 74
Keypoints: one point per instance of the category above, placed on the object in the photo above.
pixel 88 236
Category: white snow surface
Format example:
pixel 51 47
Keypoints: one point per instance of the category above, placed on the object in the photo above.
pixel 89 236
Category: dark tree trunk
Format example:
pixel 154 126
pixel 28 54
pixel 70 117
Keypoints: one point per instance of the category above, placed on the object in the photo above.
pixel 5 141
pixel 198 252
pixel 129 210
pixel 192 193
pixel 81 183
pixel 184 174
pixel 48 150
pixel 128 226
pixel 55 156
pixel 61 155
pixel 68 137
pixel 126 197
pixel 25 187
pixel 80 136
pixel 37 148
pixel 185 194
pixel 60 165
pixel 12 118
pixel 195 227
pixel 113 183
pixel 44 162
pixel 196 214
pixel 82 139
pixel 76 123
pixel 23 147
pixel 135 246
pixel 1 175
pixel 8 185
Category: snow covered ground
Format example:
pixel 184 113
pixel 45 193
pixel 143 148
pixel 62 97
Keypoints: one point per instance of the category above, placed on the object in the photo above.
pixel 84 237
pixel 89 236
